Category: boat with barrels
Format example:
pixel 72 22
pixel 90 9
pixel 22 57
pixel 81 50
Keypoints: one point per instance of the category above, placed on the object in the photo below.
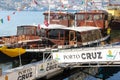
pixel 63 30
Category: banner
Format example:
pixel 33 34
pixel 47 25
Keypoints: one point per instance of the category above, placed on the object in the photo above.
pixel 32 71
pixel 45 68
pixel 95 55
pixel 24 74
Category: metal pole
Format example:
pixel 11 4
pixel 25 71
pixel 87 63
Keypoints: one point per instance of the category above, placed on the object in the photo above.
pixel 75 24
pixel 43 57
pixel 20 58
pixel 85 11
pixel 49 12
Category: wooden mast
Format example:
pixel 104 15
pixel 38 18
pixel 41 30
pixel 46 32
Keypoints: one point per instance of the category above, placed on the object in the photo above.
pixel 49 1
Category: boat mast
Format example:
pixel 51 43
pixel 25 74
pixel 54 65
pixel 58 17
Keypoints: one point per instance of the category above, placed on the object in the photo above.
pixel 49 1
pixel 85 11
pixel 75 25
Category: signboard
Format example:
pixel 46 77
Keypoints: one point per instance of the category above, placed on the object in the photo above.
pixel 44 68
pixel 95 55
pixel 24 74
pixel 30 72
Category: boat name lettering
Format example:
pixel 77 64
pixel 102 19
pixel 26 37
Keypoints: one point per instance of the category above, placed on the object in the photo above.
pixel 51 66
pixel 88 55
pixel 25 74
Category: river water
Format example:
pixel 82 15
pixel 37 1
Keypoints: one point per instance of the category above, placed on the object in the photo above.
pixel 95 73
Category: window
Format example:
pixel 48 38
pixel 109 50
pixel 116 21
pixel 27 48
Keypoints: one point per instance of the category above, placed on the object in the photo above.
pixel 60 17
pixel 68 17
pixel 19 30
pixel 46 17
pixel 84 36
pixel 78 37
pixel 66 35
pixel 53 34
pixel 97 17
pixel 80 17
pixel 28 31
pixel 42 32
pixel 71 36
pixel 61 33
pixel 89 36
pixel 89 17
pixel 96 34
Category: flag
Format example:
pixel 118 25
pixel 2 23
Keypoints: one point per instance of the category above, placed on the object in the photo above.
pixel 18 9
pixel 62 6
pixel 64 1
pixel 1 20
pixel 38 27
pixel 8 18
pixel 46 23
pixel 35 2
pixel 13 12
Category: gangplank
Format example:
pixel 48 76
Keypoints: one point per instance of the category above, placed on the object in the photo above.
pixel 60 59
pixel 89 57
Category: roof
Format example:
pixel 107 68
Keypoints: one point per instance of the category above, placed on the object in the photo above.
pixel 76 12
pixel 93 12
pixel 29 40
pixel 79 29
pixel 56 12
pixel 27 26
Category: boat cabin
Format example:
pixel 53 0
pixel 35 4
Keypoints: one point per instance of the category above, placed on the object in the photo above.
pixel 80 28
pixel 77 36
pixel 61 18
pixel 27 30
pixel 91 18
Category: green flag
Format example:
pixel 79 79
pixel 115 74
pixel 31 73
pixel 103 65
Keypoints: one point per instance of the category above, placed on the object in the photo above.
pixel 1 20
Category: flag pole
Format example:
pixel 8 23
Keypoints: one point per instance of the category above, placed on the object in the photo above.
pixel 49 12
pixel 85 10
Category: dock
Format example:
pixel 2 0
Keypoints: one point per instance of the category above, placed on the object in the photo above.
pixel 59 60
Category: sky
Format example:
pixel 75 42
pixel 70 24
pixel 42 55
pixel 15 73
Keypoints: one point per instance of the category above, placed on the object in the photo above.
pixel 8 28
pixel 21 18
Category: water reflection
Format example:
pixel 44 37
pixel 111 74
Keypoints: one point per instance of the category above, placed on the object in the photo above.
pixel 85 74
pixel 5 66
pixel 77 74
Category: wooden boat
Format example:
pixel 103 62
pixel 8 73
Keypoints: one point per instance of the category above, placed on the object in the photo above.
pixel 95 18
pixel 64 36
pixel 65 30
pixel 74 23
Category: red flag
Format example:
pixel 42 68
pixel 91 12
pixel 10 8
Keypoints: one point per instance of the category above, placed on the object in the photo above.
pixel 35 2
pixel 62 6
pixel 8 18
pixel 46 23
pixel 39 27
pixel 13 12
